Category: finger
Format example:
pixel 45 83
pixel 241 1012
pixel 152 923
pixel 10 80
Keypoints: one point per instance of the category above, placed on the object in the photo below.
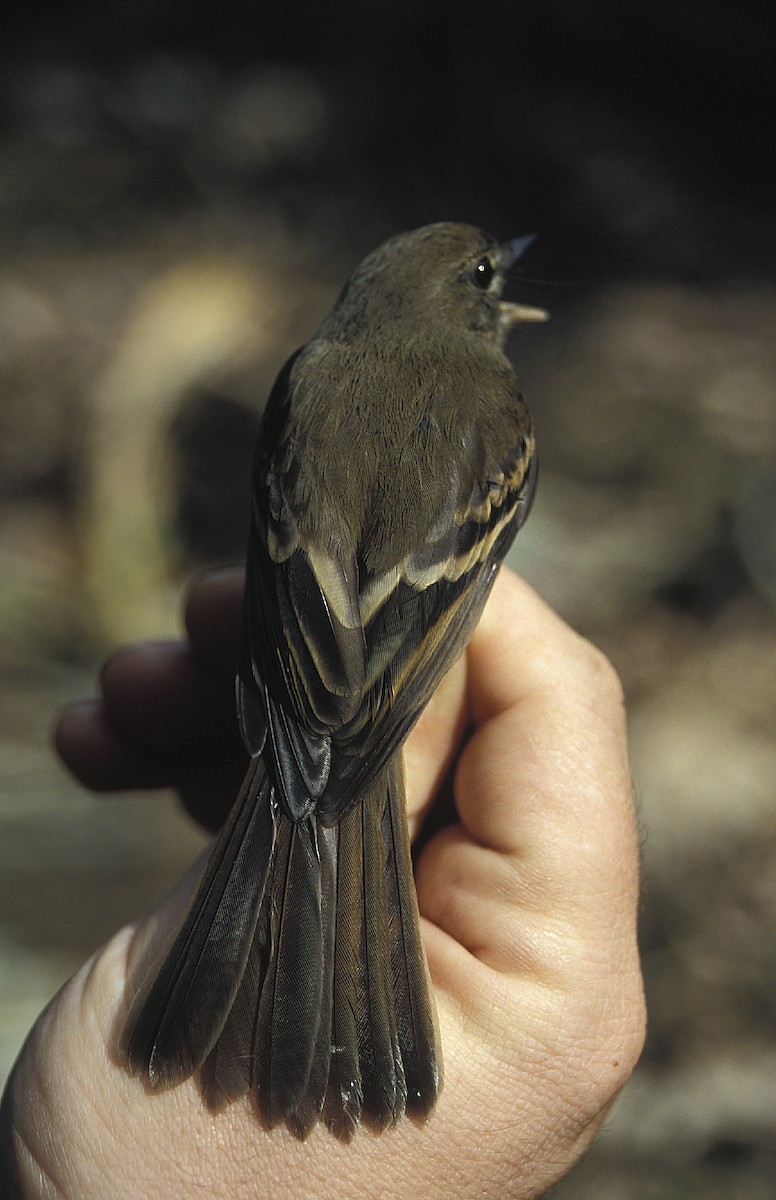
pixel 518 643
pixel 542 790
pixel 161 698
pixel 164 720
pixel 432 745
pixel 160 695
pixel 547 703
pixel 100 757
pixel 213 617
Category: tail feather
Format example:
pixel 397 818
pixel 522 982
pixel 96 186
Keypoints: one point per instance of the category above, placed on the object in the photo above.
pixel 382 1071
pixel 309 1109
pixel 299 971
pixel 227 1073
pixel 345 1099
pixel 178 1014
pixel 290 1004
pixel 417 1028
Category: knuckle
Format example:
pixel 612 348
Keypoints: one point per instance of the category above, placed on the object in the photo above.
pixel 602 1073
pixel 627 1046
pixel 600 676
pixel 621 1039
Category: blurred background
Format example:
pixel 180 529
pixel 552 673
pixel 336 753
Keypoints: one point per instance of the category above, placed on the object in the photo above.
pixel 183 189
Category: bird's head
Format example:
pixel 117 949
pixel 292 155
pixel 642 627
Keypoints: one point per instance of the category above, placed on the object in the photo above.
pixel 447 273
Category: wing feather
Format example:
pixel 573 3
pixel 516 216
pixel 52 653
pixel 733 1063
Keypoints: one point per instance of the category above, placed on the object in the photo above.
pixel 349 655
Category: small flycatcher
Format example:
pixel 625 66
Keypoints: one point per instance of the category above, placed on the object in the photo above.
pixel 394 467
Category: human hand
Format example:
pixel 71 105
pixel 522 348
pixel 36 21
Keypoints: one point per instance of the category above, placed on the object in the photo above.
pixel 528 903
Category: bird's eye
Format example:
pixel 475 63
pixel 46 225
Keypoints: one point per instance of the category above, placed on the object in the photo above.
pixel 483 273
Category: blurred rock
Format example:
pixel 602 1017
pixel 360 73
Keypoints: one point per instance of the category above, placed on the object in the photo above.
pixel 197 323
pixel 267 115
pixel 755 522
pixel 33 362
pixel 40 613
pixel 643 448
pixel 684 1114
pixel 702 742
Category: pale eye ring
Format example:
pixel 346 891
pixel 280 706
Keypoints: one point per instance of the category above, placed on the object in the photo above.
pixel 483 273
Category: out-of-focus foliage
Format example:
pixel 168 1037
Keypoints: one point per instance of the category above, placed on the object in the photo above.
pixel 182 191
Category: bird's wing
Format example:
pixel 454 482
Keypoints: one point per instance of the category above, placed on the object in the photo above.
pixel 339 661
pixel 418 621
pixel 303 664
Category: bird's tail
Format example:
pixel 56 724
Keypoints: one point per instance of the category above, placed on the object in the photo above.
pixel 384 1050
pixel 298 972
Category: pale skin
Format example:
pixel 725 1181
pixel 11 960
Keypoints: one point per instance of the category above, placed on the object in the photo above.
pixel 528 903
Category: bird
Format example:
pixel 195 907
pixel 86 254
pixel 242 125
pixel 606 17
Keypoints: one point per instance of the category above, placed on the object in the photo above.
pixel 395 463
